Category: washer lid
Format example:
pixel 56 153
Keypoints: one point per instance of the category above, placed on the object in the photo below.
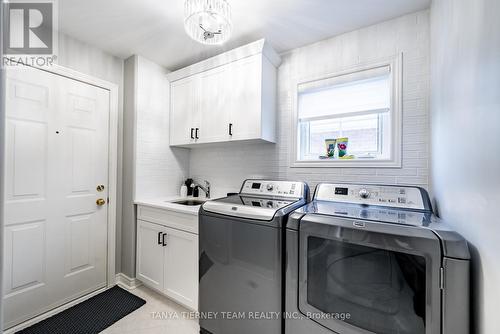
pixel 373 217
pixel 259 208
pixel 373 213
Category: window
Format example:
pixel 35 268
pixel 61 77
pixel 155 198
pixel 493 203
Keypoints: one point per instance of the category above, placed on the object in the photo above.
pixel 350 119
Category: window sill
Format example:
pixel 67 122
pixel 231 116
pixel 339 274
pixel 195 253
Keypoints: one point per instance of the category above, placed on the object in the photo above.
pixel 348 163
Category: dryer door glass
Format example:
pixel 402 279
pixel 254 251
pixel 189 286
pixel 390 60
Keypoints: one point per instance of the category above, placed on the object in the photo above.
pixel 374 289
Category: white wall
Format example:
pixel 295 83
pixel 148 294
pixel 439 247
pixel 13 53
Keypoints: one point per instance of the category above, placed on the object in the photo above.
pixel 465 115
pixel 160 169
pixel 151 167
pixel 90 60
pixel 226 167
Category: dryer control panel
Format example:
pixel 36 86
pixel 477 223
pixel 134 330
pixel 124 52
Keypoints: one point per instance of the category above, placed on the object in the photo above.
pixel 273 188
pixel 381 195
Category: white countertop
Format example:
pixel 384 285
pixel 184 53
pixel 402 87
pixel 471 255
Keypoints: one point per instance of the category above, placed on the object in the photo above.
pixel 166 204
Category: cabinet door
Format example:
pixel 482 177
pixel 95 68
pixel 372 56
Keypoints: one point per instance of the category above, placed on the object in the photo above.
pixel 183 110
pixel 150 254
pixel 213 107
pixel 245 102
pixel 181 267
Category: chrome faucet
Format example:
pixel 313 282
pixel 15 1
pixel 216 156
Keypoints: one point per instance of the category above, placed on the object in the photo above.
pixel 206 188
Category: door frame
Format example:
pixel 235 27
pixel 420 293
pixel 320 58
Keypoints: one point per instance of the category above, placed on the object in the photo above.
pixel 112 157
pixel 2 145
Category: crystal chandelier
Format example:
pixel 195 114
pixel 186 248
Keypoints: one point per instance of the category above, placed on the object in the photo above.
pixel 207 21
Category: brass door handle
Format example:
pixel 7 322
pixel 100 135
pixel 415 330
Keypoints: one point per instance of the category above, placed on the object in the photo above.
pixel 100 201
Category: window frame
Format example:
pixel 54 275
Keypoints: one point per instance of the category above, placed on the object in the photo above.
pixel 395 117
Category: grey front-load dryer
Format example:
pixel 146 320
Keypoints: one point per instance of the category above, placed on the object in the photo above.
pixel 241 250
pixel 365 259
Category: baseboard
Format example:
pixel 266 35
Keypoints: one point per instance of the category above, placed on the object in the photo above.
pixel 127 282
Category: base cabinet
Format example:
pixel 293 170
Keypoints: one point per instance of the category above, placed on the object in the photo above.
pixel 167 261
pixel 150 252
pixel 181 267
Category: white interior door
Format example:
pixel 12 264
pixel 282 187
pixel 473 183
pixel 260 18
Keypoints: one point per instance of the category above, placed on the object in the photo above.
pixel 83 149
pixel 56 156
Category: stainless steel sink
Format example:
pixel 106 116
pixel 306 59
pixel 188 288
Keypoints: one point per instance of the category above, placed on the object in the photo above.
pixel 189 202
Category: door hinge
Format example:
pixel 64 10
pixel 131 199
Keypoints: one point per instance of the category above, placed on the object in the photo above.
pixel 441 278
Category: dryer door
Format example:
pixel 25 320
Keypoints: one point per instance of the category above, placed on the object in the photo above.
pixel 369 277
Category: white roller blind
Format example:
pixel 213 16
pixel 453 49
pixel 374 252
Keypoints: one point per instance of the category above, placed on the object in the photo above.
pixel 354 93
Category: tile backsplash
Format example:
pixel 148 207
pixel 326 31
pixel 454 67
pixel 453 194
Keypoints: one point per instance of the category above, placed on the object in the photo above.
pixel 227 165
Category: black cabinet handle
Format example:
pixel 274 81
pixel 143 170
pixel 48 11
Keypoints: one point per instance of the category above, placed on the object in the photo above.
pixel 192 136
pixel 159 238
pixel 230 129
pixel 163 241
pixel 196 133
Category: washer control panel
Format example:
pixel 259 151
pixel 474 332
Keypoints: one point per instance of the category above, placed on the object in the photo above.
pixel 265 202
pixel 273 188
pixel 391 196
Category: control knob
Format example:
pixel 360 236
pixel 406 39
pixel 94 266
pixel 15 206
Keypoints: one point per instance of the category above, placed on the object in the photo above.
pixel 364 193
pixel 270 187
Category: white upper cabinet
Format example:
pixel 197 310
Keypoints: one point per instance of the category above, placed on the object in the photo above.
pixel 226 98
pixel 183 111
pixel 214 108
pixel 246 101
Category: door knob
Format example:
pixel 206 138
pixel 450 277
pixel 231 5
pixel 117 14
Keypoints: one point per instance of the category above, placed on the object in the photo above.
pixel 100 201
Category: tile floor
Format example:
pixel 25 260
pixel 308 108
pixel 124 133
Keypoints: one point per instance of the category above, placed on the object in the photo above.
pixel 157 316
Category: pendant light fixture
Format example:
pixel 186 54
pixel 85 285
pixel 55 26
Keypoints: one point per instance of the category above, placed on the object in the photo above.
pixel 207 21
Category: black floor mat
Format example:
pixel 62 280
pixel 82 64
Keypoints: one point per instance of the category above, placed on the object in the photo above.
pixel 91 316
